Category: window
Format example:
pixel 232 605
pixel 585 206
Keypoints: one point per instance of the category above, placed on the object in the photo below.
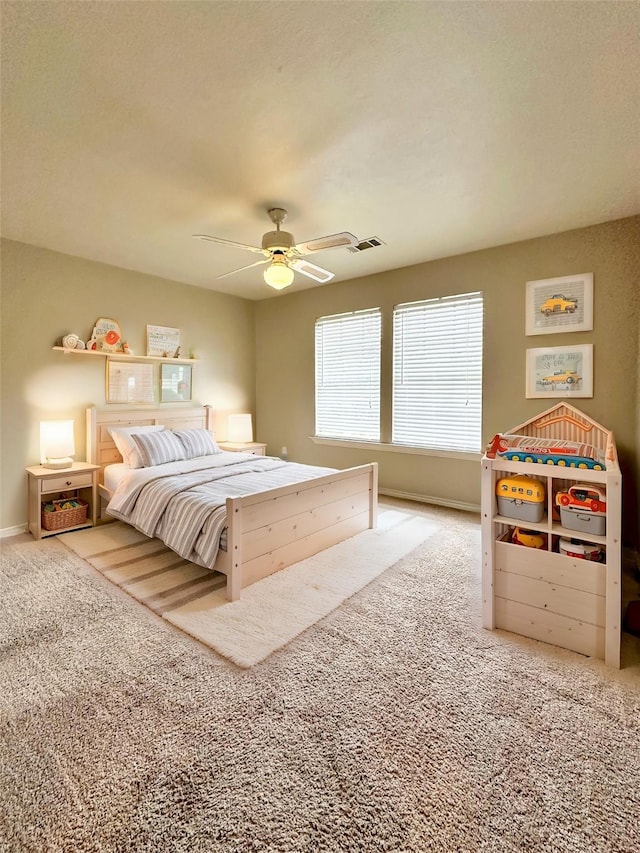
pixel 437 373
pixel 348 375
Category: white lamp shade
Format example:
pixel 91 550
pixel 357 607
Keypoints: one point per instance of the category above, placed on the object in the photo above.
pixel 56 444
pixel 278 275
pixel 240 429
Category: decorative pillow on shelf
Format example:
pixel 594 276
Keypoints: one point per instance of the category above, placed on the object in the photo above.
pixel 197 442
pixel 158 448
pixel 123 440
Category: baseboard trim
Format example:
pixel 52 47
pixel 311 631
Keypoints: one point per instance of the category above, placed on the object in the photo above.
pixel 428 499
pixel 14 531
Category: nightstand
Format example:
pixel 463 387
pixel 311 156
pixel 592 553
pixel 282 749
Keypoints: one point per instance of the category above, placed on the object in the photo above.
pixel 46 484
pixel 253 447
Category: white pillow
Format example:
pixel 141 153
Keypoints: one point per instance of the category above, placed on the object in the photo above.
pixel 198 442
pixel 127 446
pixel 158 448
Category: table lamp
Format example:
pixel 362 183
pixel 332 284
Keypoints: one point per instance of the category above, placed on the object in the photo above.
pixel 239 429
pixel 56 444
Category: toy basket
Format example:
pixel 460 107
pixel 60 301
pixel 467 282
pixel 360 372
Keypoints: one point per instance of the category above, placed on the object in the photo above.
pixel 63 518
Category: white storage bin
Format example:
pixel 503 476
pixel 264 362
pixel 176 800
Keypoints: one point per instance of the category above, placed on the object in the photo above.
pixel 584 521
pixel 582 550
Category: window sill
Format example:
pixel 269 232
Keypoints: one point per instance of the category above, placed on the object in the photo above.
pixel 380 446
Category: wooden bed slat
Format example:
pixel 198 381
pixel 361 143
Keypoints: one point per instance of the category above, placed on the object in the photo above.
pixel 277 534
pixel 307 546
pixel 288 503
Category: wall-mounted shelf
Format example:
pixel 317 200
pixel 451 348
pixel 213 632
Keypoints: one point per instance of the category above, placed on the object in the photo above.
pixel 125 356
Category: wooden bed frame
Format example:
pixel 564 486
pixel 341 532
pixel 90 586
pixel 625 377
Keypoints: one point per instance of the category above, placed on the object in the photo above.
pixel 266 531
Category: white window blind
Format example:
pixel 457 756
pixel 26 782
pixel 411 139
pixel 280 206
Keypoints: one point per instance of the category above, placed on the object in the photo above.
pixel 348 375
pixel 437 373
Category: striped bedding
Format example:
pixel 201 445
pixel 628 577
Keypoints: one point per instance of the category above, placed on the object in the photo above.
pixel 183 503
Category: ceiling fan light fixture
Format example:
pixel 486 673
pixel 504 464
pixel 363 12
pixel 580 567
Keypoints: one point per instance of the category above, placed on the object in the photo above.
pixel 278 275
pixel 284 255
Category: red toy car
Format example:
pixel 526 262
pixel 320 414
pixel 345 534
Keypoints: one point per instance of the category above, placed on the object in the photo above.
pixel 582 497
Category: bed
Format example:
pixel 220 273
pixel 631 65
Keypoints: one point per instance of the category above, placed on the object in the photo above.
pixel 256 533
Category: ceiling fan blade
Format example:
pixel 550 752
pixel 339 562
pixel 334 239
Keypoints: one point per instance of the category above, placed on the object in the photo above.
pixel 248 267
pixel 311 270
pixel 228 243
pixel 333 241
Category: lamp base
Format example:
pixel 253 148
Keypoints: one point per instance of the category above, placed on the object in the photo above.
pixel 63 462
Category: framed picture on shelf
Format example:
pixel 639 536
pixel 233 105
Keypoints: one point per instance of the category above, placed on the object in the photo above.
pixel 163 341
pixel 560 372
pixel 559 305
pixel 175 383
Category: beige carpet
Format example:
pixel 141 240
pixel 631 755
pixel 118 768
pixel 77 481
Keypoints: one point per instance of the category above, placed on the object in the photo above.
pixel 271 612
pixel 396 723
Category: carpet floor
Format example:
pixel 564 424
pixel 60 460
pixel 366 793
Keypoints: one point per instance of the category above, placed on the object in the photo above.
pixel 395 723
pixel 271 612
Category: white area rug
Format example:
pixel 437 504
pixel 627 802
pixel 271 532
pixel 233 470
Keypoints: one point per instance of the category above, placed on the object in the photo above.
pixel 271 612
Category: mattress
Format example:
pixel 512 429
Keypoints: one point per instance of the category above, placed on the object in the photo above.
pixel 113 474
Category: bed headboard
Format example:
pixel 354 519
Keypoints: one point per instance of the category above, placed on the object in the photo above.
pixel 101 449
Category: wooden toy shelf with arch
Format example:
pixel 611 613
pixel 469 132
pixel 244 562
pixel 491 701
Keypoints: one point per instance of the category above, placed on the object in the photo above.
pixel 535 592
pixel 125 356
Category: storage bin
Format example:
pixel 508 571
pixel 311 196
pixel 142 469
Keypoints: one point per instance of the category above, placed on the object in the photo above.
pixel 63 518
pixel 583 507
pixel 582 550
pixel 521 497
pixel 582 520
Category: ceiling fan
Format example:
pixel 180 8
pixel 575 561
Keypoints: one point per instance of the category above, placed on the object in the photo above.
pixel 283 255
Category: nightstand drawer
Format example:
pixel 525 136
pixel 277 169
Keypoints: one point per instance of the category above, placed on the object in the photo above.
pixel 255 448
pixel 62 483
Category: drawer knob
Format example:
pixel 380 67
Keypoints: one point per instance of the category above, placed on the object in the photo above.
pixel 68 483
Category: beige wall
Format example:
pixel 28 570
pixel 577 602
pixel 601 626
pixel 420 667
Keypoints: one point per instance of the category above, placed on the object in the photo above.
pixel 46 294
pixel 285 351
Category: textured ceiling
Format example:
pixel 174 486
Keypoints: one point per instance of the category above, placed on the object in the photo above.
pixel 438 127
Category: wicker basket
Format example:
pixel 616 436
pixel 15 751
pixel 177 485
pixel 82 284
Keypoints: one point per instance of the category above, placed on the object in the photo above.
pixel 65 517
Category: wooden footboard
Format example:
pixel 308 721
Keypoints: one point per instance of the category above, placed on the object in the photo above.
pixel 271 530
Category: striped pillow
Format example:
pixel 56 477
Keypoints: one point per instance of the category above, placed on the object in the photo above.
pixel 158 448
pixel 198 442
pixel 122 438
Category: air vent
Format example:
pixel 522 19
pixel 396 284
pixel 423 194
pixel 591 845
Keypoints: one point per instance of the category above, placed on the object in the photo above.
pixel 371 243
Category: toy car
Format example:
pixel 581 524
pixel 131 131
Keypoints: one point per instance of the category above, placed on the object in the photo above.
pixel 569 377
pixel 529 538
pixel 524 448
pixel 558 304
pixel 583 497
